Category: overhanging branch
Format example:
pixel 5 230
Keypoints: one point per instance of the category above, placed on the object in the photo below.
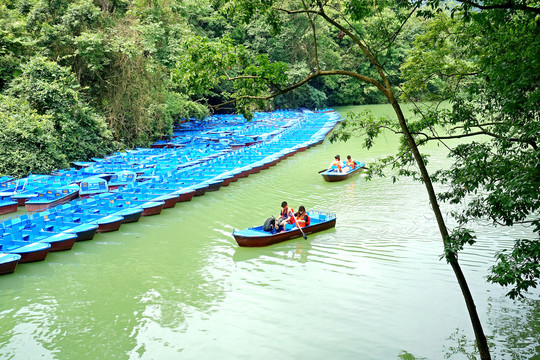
pixel 302 82
pixel 506 6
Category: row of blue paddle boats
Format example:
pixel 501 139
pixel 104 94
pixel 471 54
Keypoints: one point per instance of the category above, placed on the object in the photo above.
pixel 96 196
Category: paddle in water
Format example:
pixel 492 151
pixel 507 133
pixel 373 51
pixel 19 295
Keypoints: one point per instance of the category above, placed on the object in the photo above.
pixel 298 226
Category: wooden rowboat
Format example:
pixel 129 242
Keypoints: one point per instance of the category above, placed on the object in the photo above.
pixel 333 175
pixel 257 237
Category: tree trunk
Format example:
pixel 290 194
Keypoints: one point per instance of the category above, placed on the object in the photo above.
pixel 481 340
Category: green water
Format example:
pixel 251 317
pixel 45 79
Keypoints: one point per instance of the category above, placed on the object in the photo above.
pixel 176 286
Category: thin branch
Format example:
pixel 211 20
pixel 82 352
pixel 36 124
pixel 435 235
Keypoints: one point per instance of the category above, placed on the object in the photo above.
pixel 384 89
pixel 507 6
pixel 396 33
pixel 438 138
pixel 312 22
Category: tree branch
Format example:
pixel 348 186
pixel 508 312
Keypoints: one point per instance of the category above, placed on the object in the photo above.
pixel 507 6
pixel 312 22
pixel 384 89
pixel 302 82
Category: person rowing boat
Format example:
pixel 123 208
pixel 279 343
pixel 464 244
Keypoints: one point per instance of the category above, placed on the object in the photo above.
pixel 336 165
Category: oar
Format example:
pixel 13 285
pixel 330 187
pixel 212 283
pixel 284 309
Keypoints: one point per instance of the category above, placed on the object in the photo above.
pixel 323 170
pixel 298 226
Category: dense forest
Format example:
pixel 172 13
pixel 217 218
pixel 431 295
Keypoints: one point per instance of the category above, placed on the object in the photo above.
pixel 83 78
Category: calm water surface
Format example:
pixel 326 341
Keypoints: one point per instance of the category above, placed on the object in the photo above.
pixel 176 286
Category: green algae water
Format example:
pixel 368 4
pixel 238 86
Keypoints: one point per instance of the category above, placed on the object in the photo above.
pixel 176 286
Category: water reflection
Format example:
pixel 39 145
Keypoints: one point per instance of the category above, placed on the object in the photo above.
pixel 295 250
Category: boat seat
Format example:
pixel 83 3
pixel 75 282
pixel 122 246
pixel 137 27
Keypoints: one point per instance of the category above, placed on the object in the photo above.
pixel 29 226
pixel 250 232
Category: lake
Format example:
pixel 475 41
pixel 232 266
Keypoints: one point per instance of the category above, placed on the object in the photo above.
pixel 176 286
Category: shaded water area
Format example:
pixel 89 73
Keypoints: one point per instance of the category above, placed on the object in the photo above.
pixel 176 286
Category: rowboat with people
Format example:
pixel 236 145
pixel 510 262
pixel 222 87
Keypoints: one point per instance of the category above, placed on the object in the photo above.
pixel 342 170
pixel 334 175
pixel 257 236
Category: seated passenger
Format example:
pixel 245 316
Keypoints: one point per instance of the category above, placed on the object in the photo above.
pixel 350 164
pixel 301 218
pixel 286 216
pixel 336 165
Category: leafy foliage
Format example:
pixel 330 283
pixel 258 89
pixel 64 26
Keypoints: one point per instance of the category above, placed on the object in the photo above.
pixel 490 72
pixel 27 141
pixel 520 267
pixel 52 91
pixel 120 55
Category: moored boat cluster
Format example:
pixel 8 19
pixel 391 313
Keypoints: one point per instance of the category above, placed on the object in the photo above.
pixel 100 195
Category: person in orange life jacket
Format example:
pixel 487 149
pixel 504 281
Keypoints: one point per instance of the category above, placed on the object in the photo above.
pixel 286 216
pixel 350 164
pixel 302 218
pixel 336 164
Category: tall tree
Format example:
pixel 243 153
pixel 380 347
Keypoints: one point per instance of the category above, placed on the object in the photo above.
pixel 489 65
pixel 372 38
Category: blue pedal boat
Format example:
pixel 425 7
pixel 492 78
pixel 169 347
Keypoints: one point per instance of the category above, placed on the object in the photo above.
pixel 58 241
pixel 107 204
pixel 121 179
pixel 7 205
pixel 34 231
pixel 81 215
pixel 52 198
pixel 92 186
pixel 184 193
pixel 4 179
pixel 48 222
pixel 8 263
pixel 151 205
pixel 29 252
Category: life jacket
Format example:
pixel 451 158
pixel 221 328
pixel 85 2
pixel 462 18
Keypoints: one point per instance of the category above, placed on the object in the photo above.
pixel 351 164
pixel 307 220
pixel 290 213
pixel 337 164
